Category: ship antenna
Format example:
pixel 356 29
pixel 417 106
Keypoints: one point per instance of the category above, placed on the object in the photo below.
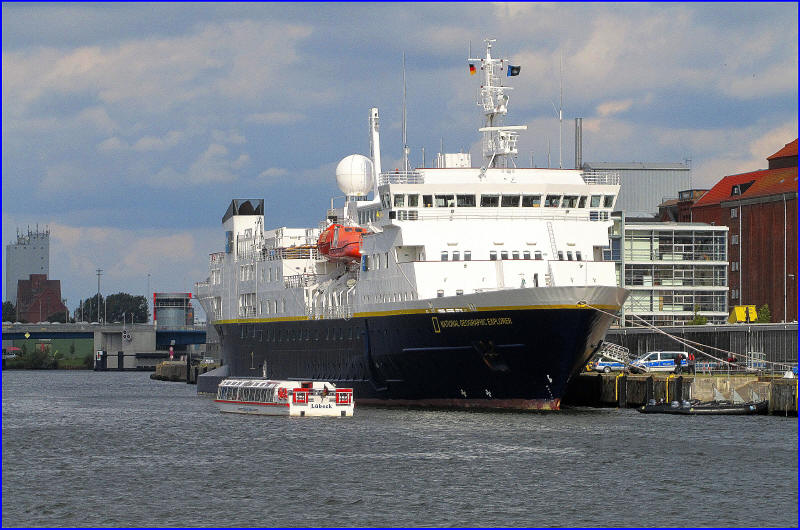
pixel 499 140
pixel 405 143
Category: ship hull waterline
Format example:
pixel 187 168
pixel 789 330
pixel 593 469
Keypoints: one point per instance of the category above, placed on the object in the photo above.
pixel 495 359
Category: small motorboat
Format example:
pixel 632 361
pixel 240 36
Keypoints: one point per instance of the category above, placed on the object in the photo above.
pixel 341 243
pixel 696 407
pixel 267 397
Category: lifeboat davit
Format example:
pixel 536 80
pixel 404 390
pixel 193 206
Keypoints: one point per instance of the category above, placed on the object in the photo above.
pixel 341 243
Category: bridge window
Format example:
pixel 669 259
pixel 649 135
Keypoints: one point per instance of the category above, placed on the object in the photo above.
pixel 445 201
pixel 427 201
pixel 560 255
pixel 490 201
pixel 570 201
pixel 526 254
pixel 578 255
pixel 537 255
pixel 531 201
pixel 608 202
pixel 595 201
pixel 582 202
pixel 515 254
pixel 444 255
pixel 456 255
pixel 503 254
pixel 467 255
pixel 413 200
pixel 510 201
pixel 552 201
pixel 399 200
pixel 569 255
pixel 465 201
pixel 493 255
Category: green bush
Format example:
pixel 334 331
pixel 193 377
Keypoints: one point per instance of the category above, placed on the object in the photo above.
pixel 764 314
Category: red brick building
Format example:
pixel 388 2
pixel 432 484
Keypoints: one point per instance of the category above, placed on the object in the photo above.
pixel 39 298
pixel 760 210
pixel 679 210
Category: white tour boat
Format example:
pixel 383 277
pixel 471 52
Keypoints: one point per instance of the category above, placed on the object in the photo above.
pixel 283 398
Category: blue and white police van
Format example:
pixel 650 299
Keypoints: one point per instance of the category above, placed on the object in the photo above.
pixel 661 361
pixel 606 365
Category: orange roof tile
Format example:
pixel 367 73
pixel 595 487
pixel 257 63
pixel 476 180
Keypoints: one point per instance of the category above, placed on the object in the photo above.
pixel 764 182
pixel 789 149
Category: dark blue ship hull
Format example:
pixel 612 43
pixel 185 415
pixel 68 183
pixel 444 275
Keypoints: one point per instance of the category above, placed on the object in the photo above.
pixel 489 359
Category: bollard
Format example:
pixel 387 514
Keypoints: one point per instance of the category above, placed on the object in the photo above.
pixel 622 390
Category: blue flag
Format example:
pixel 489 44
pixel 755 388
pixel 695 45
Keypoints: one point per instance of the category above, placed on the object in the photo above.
pixel 512 70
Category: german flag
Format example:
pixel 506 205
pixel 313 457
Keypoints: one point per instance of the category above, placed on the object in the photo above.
pixel 472 69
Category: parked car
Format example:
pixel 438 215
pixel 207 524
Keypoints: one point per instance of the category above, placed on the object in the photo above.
pixel 606 365
pixel 661 361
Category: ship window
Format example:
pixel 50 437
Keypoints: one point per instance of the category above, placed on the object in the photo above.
pixel 399 200
pixel 350 333
pixel 348 229
pixel 526 254
pixel 608 202
pixel 552 201
pixel 531 201
pixel 509 201
pixel 440 293
pixel 493 255
pixel 444 255
pixel 386 259
pixel 503 254
pixel 489 201
pixel 459 292
pixel 536 279
pixel 427 201
pixel 570 201
pixel 456 255
pixel 515 254
pixel 413 200
pixel 560 255
pixel 465 201
pixel 595 202
pixel 582 202
pixel 445 201
pixel 578 255
pixel 569 255
pixel 467 255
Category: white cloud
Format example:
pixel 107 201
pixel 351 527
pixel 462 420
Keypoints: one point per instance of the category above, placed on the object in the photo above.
pixel 275 118
pixel 227 137
pixel 112 144
pixel 273 172
pixel 614 107
pixel 155 143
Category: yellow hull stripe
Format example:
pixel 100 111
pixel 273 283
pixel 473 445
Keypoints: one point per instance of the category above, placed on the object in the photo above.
pixel 419 311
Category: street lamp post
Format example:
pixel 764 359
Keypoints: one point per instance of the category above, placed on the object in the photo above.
pixel 99 272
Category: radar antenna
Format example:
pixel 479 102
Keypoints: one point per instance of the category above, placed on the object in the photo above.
pixel 499 141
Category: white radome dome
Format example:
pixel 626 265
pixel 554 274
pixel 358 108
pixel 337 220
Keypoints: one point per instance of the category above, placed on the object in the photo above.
pixel 354 175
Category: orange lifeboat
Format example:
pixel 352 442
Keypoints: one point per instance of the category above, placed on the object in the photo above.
pixel 341 243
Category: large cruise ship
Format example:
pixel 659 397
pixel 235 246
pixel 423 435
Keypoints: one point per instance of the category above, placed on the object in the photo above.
pixel 446 286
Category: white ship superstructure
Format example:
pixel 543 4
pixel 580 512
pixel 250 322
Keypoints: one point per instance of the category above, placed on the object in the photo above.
pixel 449 239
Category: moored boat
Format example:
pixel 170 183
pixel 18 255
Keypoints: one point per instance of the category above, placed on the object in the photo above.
pixel 705 408
pixel 452 286
pixel 283 398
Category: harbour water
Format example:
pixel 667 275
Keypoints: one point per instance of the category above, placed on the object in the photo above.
pixel 118 449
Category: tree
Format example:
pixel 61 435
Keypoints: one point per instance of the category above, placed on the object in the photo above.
pixel 764 314
pixel 59 316
pixel 698 320
pixel 114 306
pixel 9 312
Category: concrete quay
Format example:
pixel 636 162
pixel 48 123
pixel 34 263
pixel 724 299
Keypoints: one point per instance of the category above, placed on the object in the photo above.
pixel 181 371
pixel 633 390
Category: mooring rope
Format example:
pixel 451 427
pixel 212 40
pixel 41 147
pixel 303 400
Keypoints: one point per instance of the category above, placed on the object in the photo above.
pixel 685 342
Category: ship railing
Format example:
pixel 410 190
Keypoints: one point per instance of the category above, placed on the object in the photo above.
pixel 330 312
pixel 444 214
pixel 401 177
pixel 247 311
pixel 615 352
pixel 300 280
pixel 300 252
pixel 597 176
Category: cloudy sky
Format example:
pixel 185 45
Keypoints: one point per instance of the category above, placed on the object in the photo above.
pixel 127 128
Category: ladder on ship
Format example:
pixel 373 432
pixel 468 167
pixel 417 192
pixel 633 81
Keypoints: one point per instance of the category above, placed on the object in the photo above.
pixel 552 240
